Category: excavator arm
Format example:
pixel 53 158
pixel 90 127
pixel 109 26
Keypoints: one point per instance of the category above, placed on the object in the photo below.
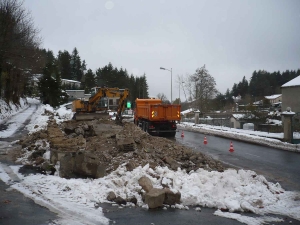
pixel 122 103
pixel 99 103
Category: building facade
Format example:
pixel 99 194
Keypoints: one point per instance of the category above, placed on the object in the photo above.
pixel 72 83
pixel 274 98
pixel 290 95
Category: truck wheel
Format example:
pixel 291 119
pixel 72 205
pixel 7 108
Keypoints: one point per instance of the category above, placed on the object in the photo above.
pixel 144 126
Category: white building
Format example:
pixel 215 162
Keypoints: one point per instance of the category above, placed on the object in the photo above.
pixel 274 98
pixel 71 82
pixel 290 95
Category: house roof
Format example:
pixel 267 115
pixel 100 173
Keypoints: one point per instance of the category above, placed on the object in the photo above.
pixel 191 110
pixel 294 82
pixel 71 81
pixel 273 96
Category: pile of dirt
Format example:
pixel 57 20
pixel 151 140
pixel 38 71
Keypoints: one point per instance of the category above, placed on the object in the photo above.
pixel 95 148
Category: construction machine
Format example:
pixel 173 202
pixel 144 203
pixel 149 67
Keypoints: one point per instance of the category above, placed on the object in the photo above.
pixel 98 104
pixel 156 118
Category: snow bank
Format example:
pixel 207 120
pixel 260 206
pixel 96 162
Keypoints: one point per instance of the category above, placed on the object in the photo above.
pixel 258 137
pixel 234 190
pixel 40 118
pixel 9 110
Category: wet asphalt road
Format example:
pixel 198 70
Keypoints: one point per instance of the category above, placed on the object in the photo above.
pixel 17 209
pixel 276 165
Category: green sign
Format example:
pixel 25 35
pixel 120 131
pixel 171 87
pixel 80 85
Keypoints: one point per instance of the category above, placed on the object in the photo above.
pixel 128 105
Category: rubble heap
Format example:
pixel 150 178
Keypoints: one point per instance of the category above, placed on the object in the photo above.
pixel 95 148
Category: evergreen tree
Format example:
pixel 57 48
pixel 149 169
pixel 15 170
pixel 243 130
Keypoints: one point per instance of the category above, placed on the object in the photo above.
pixel 76 72
pixel 64 66
pixel 90 81
pixel 50 86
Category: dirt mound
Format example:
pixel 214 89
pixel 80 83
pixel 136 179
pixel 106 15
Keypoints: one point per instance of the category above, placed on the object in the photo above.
pixel 95 148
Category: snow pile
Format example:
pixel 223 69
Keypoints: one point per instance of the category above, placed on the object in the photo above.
pixel 40 118
pixel 232 190
pixel 63 114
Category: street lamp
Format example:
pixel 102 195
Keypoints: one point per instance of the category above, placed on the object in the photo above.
pixel 171 79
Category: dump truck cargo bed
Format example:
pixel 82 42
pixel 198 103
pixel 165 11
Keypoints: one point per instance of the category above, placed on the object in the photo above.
pixel 153 110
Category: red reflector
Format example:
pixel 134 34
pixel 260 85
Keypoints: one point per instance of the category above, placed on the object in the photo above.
pixel 151 127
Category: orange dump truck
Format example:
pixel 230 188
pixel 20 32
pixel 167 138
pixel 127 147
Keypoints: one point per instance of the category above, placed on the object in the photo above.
pixel 156 118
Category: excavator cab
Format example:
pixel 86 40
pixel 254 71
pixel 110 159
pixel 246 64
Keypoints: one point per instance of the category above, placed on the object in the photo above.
pixel 103 103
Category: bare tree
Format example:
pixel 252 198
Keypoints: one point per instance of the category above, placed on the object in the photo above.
pixel 19 52
pixel 163 97
pixel 202 88
pixel 181 80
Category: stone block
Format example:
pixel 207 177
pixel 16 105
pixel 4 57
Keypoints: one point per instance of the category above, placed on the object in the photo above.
pixel 155 198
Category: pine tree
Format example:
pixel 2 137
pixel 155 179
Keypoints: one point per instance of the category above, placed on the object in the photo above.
pixel 50 86
pixel 75 62
pixel 64 66
pixel 90 81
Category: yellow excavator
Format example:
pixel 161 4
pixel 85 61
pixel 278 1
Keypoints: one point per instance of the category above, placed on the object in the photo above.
pixel 98 104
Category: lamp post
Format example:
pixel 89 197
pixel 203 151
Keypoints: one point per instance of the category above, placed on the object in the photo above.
pixel 171 79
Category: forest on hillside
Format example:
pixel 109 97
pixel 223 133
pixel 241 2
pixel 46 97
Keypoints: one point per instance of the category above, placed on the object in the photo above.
pixel 262 83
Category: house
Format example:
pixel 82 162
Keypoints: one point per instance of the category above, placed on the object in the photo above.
pixel 75 94
pixel 238 120
pixel 290 95
pixel 190 111
pixel 274 98
pixel 71 83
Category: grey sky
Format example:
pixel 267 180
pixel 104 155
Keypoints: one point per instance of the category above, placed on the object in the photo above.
pixel 231 37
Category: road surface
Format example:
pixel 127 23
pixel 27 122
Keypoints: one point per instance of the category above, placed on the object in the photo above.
pixel 276 165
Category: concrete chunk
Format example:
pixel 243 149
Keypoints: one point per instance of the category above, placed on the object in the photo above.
pixel 155 198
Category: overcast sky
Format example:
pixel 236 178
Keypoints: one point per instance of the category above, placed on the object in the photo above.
pixel 231 37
